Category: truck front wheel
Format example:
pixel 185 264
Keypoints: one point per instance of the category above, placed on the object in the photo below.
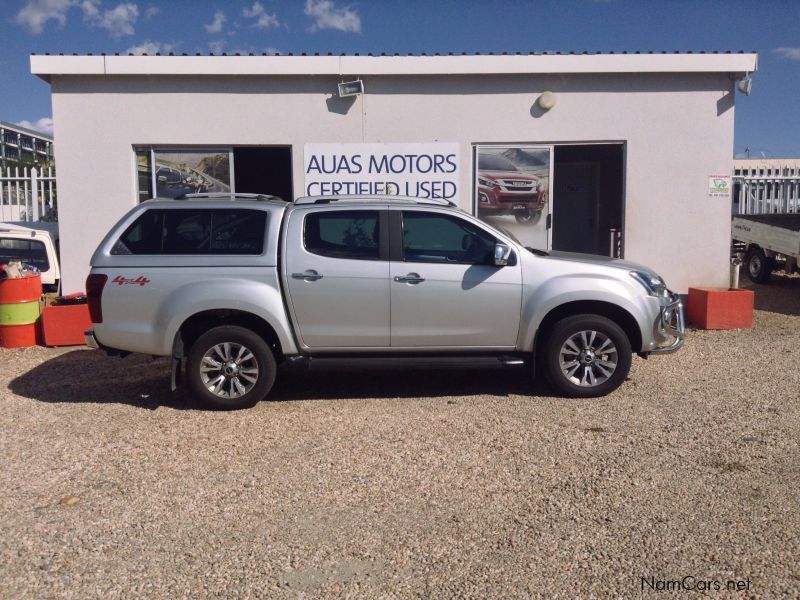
pixel 230 367
pixel 586 356
pixel 759 266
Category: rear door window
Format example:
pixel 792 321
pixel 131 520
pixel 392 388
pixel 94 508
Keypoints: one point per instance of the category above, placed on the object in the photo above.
pixel 31 252
pixel 195 231
pixel 350 234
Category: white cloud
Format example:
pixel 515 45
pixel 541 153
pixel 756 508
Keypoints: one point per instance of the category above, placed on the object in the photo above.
pixel 119 20
pixel 216 25
pixel 45 125
pixel 263 20
pixel 151 11
pixel 151 48
pixel 36 13
pixel 325 15
pixel 790 53
pixel 90 9
pixel 272 51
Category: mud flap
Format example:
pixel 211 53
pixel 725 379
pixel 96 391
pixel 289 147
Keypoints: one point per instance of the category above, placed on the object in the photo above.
pixel 177 362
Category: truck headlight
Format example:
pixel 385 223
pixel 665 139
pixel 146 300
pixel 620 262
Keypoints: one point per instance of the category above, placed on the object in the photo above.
pixel 487 182
pixel 654 285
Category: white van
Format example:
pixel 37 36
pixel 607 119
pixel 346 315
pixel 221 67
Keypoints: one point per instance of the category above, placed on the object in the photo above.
pixel 34 243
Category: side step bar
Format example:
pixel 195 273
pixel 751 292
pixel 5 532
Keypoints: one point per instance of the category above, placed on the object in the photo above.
pixel 303 362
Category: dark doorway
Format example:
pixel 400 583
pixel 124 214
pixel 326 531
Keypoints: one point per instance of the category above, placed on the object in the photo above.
pixel 263 170
pixel 587 198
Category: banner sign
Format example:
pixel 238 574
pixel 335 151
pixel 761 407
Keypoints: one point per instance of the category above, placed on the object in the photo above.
pixel 429 170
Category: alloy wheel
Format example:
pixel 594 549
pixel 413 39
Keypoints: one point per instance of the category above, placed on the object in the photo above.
pixel 588 358
pixel 229 370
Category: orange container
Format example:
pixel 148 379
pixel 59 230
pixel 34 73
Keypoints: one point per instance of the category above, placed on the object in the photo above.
pixel 64 325
pixel 720 308
pixel 19 336
pixel 19 311
pixel 25 289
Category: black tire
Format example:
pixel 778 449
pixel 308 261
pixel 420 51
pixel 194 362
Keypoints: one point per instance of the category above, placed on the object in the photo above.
pixel 759 265
pixel 605 329
pixel 236 337
pixel 526 217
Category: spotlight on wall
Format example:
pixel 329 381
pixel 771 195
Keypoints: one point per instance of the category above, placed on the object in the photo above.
pixel 546 101
pixel 351 88
pixel 745 85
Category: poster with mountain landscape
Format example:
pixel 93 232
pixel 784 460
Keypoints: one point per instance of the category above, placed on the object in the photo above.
pixel 180 173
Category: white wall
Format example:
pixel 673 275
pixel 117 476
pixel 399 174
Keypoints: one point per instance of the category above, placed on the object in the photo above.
pixel 678 130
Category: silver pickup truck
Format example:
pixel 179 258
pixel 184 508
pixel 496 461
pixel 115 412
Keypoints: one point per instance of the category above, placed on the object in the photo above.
pixel 232 286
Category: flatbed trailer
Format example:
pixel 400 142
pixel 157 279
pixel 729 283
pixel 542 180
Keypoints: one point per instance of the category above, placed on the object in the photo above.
pixel 767 242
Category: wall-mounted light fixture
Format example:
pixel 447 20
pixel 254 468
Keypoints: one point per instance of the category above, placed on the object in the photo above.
pixel 745 85
pixel 351 88
pixel 546 101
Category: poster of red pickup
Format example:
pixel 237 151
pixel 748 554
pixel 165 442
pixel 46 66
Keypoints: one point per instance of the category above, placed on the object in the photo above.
pixel 512 190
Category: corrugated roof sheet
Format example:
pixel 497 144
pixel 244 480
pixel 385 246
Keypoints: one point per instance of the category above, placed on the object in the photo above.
pixel 517 53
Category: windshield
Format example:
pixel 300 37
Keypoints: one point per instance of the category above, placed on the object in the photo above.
pixel 495 162
pixel 507 233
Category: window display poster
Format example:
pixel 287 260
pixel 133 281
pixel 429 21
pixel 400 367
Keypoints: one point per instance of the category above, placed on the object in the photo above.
pixel 512 190
pixel 180 173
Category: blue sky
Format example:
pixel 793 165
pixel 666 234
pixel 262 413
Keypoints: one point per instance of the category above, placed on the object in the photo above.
pixel 768 121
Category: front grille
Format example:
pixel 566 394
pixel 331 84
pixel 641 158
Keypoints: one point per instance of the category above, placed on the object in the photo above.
pixel 516 185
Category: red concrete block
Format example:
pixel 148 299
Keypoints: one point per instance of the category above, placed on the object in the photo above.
pixel 64 325
pixel 720 308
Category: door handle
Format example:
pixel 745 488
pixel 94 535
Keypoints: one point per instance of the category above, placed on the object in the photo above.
pixel 307 275
pixel 410 278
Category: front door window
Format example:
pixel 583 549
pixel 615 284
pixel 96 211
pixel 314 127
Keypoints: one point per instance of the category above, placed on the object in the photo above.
pixel 443 239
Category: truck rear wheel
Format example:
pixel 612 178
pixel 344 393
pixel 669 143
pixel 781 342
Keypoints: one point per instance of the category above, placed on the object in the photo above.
pixel 230 367
pixel 759 266
pixel 586 356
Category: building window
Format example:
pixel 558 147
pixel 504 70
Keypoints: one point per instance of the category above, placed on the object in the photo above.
pixel 144 186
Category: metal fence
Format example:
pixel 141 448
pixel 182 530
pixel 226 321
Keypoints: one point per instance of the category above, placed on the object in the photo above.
pixel 27 194
pixel 766 190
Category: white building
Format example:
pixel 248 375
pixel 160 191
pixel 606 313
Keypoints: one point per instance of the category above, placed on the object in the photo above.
pixel 621 154
pixel 20 144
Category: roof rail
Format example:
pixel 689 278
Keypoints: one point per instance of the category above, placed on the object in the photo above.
pixel 373 198
pixel 227 196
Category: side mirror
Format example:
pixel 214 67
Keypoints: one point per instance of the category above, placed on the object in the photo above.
pixel 501 254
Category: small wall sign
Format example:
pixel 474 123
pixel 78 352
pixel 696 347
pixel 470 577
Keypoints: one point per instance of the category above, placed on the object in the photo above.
pixel 719 185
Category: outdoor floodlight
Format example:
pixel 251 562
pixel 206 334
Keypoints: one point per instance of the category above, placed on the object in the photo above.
pixel 745 86
pixel 351 88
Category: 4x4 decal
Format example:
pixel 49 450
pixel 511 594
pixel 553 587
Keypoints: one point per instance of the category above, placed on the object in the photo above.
pixel 141 280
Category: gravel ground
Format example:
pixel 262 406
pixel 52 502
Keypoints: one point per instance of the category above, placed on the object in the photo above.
pixel 424 483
